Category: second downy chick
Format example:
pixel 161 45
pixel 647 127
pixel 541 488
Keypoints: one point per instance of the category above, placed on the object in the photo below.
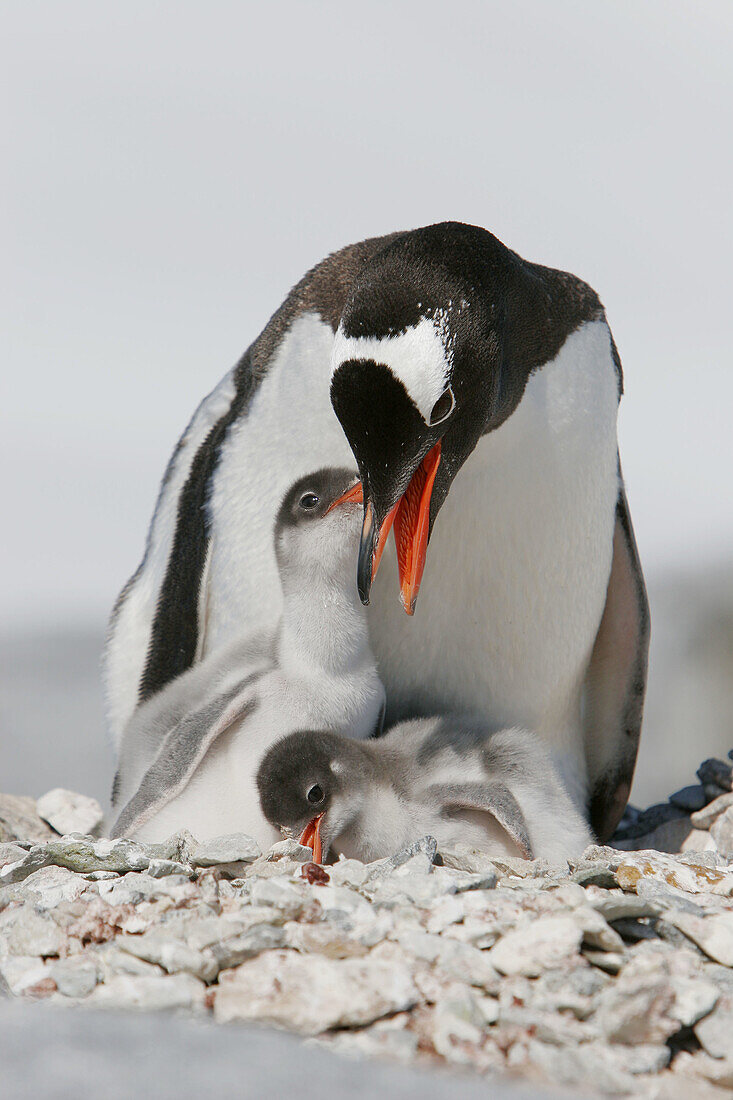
pixel 447 777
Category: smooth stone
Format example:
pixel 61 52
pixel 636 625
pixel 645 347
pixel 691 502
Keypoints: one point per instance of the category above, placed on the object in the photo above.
pixel 24 931
pixel 311 994
pixel 233 848
pixel 389 1039
pixel 19 820
pixel 172 955
pixel 693 999
pixel 715 1031
pixel 68 812
pixel 591 1065
pixel 20 973
pixel 150 994
pixel 85 854
pixel 52 885
pixel 457 1025
pixel 719 1071
pixel 667 837
pixel 261 937
pixel 76 976
pixel 416 858
pixel 689 798
pixel 713 933
pixel 722 831
pixel 638 1007
pixel 698 840
pixel 288 849
pixel 704 818
pixel 530 949
pixel 717 772
pixel 162 868
pixel 464 857
pixel 11 853
pixel 283 896
pixel 615 905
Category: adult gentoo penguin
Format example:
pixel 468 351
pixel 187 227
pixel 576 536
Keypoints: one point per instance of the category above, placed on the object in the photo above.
pixel 479 390
pixel 447 777
pixel 189 755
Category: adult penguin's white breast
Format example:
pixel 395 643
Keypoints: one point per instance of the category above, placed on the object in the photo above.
pixel 519 561
pixel 289 430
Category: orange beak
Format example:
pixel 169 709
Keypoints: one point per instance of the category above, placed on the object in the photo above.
pixel 311 838
pixel 354 495
pixel 411 519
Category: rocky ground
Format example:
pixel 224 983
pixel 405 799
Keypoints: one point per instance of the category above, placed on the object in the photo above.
pixel 613 973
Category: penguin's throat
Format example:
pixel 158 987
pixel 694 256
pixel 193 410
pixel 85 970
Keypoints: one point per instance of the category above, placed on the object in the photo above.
pixel 324 627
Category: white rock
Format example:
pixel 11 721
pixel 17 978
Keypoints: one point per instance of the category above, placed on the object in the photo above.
pixel 162 868
pixel 715 1031
pixel 52 885
pixel 348 872
pixel 278 894
pixel 27 932
pixel 11 853
pixel 545 943
pixel 712 933
pixel 151 994
pixel 639 1006
pixel 386 1039
pixel 693 999
pixel 258 938
pixel 709 814
pixel 722 831
pixel 457 1025
pixel 310 994
pixel 234 848
pixel 68 812
pixel 22 972
pixel 76 976
pixel 592 1065
pixel 157 946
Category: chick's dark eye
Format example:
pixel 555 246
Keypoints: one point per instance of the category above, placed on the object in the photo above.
pixel 308 501
pixel 443 407
pixel 315 794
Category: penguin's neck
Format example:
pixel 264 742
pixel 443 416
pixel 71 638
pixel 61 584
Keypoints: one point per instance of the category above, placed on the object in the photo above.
pixel 323 626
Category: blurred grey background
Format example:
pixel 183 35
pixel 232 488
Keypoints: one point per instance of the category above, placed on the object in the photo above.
pixel 170 169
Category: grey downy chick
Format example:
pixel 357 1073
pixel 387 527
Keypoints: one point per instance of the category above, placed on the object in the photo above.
pixel 189 755
pixel 447 777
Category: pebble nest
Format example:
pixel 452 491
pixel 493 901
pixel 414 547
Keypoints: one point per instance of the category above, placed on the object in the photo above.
pixel 611 973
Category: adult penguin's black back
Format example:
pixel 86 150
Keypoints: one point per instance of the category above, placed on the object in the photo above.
pixel 479 395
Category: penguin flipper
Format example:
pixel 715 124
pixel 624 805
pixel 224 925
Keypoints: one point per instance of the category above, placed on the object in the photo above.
pixel 491 798
pixel 180 754
pixel 615 682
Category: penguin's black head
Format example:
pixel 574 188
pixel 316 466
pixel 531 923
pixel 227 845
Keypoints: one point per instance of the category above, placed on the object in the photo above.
pixel 309 775
pixel 319 521
pixel 415 384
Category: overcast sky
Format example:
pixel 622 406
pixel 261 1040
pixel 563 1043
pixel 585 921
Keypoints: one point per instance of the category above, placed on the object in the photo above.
pixel 170 169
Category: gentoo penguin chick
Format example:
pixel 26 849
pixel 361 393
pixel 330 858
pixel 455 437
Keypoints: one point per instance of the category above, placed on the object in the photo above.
pixel 447 777
pixel 190 754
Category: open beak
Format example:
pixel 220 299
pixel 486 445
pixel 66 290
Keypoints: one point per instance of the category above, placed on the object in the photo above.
pixel 311 838
pixel 410 518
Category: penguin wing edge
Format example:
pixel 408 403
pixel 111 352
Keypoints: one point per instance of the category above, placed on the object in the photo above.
pixel 180 754
pixel 491 798
pixel 615 682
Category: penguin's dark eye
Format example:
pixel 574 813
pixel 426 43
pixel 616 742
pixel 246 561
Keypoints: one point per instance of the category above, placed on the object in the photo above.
pixel 443 407
pixel 308 501
pixel 315 794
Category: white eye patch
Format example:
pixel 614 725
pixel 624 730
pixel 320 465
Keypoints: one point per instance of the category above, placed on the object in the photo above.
pixel 421 358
